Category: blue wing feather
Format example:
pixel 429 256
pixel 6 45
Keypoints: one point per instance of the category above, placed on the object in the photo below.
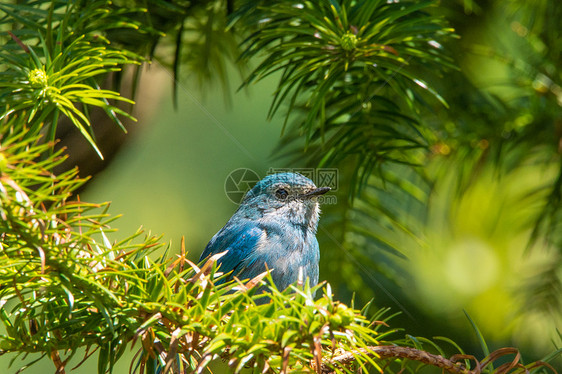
pixel 252 245
pixel 240 239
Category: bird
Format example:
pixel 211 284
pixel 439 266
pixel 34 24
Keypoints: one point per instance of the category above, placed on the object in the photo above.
pixel 274 228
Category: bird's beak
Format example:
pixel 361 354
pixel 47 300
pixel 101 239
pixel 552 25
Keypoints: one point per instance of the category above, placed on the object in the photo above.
pixel 316 192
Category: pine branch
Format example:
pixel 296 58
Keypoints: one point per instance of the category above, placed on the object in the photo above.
pixel 395 352
pixel 450 365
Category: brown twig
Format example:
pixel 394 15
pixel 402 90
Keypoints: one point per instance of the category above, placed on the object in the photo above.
pixel 392 351
pixel 450 365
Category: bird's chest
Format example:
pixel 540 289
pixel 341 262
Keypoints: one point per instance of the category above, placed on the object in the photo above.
pixel 292 254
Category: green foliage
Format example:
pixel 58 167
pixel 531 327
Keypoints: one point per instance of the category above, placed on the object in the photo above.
pixel 349 67
pixel 207 44
pixel 355 78
pixel 51 69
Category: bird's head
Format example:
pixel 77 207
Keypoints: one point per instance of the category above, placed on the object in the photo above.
pixel 289 197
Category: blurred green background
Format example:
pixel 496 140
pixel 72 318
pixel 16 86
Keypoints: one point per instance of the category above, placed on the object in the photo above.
pixel 178 162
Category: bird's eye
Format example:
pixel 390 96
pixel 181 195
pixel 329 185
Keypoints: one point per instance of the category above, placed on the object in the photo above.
pixel 281 193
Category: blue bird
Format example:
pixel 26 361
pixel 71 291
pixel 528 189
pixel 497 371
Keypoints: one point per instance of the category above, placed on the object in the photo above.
pixel 274 228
